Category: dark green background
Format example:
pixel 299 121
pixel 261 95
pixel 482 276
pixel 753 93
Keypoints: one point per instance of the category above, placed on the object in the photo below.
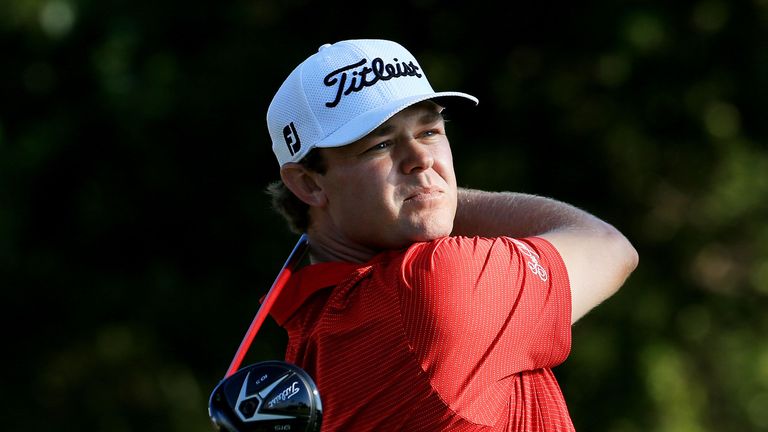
pixel 136 239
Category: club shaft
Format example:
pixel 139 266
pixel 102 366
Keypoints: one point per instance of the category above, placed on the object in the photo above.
pixel 282 278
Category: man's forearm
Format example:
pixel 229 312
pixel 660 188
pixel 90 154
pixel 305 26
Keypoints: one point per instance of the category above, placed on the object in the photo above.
pixel 583 241
pixel 515 214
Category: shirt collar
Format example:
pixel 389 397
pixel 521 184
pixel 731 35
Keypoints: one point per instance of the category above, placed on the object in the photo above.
pixel 306 282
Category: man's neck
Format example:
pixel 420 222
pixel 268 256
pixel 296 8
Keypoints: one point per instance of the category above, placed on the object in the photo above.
pixel 325 248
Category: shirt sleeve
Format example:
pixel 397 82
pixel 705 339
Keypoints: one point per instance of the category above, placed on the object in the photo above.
pixel 479 310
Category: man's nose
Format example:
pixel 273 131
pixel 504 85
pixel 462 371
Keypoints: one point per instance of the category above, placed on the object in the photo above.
pixel 416 156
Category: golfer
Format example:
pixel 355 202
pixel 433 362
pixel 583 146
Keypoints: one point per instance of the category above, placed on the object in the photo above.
pixel 425 307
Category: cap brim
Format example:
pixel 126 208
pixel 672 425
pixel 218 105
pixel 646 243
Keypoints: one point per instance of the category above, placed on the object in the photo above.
pixel 363 124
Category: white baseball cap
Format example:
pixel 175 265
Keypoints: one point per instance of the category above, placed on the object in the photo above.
pixel 342 92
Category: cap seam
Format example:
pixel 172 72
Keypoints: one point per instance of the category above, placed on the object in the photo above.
pixel 302 152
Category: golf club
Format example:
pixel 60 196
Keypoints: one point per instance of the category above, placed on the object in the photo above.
pixel 269 395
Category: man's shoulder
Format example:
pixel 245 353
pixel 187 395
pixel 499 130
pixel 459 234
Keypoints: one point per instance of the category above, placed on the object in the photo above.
pixel 466 253
pixel 446 252
pixel 462 245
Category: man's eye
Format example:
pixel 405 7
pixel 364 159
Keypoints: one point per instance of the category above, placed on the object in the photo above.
pixel 379 146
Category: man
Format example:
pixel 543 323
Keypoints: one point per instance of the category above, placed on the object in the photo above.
pixel 425 307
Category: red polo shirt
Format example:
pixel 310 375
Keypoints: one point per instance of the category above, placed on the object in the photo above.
pixel 455 334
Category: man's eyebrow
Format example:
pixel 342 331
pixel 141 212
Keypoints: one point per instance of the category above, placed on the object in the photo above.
pixel 426 118
pixel 381 130
pixel 431 117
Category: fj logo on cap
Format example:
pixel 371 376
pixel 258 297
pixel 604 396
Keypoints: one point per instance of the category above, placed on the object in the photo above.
pixel 366 76
pixel 291 138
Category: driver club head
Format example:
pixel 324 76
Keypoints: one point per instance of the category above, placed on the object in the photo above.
pixel 266 396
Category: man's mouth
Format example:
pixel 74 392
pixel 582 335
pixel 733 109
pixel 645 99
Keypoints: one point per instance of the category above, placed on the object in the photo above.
pixel 425 194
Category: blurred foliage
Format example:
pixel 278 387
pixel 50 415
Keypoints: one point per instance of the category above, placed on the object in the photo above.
pixel 135 237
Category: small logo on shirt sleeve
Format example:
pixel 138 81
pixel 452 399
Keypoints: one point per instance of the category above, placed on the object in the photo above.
pixel 533 260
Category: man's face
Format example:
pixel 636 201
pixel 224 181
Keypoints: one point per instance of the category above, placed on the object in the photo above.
pixel 395 186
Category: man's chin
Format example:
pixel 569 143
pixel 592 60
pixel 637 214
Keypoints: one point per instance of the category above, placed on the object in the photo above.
pixel 430 233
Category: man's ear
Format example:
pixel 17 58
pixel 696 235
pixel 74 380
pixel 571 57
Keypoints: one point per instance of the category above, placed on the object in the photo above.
pixel 302 182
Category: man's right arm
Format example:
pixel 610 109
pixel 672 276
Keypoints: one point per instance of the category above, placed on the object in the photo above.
pixel 597 256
